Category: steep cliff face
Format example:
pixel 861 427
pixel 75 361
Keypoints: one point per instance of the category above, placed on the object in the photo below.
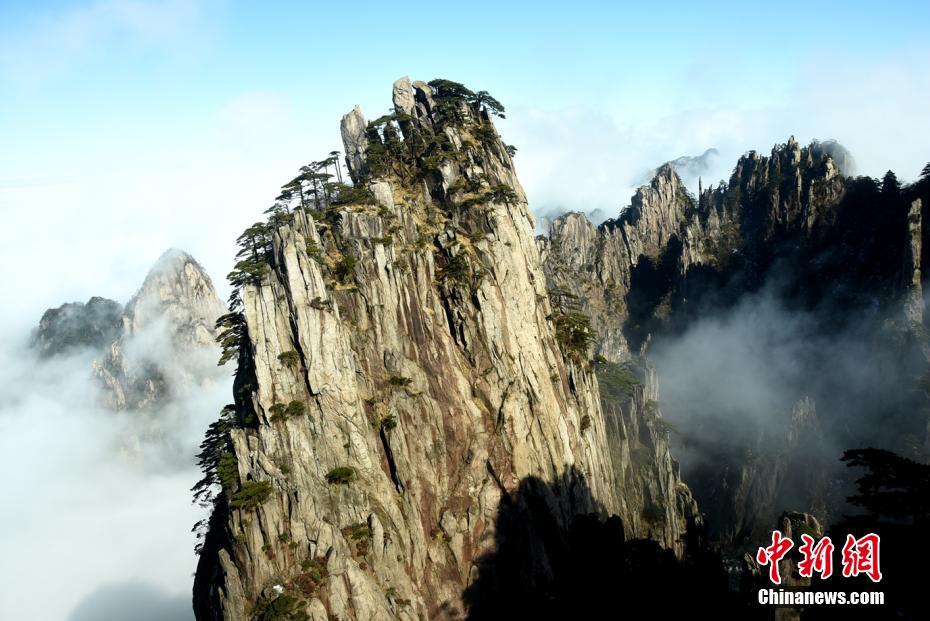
pixel 654 501
pixel 786 468
pixel 846 253
pixel 597 265
pixel 402 376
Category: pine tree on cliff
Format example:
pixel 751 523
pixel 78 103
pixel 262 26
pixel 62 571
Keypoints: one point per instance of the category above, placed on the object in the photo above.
pixel 334 158
pixel 923 183
pixel 891 188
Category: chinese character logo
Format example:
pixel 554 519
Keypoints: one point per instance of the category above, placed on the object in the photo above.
pixel 817 558
pixel 770 556
pixel 860 556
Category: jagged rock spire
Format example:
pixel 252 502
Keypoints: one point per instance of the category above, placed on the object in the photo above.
pixel 353 128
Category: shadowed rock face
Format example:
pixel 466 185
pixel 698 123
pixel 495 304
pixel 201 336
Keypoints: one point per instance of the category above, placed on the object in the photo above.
pixel 841 256
pixel 76 326
pixel 647 268
pixel 431 385
pixel 541 568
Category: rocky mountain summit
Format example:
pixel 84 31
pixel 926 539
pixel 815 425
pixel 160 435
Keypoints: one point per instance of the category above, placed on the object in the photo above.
pixel 161 338
pixel 636 271
pixel 418 431
pixel 167 334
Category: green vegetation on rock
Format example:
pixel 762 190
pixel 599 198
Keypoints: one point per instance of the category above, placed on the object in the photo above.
pixel 342 475
pixel 251 495
pixel 617 381
pixel 289 358
pixel 281 608
pixel 573 332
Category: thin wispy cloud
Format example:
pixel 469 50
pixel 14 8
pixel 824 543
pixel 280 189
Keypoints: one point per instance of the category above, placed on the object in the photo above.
pixel 49 42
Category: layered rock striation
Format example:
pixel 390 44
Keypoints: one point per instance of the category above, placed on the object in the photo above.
pixel 404 375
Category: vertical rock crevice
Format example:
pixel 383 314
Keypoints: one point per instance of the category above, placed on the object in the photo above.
pixel 408 317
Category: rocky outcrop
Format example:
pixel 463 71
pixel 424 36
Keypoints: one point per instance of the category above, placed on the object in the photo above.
pixel 402 376
pixel 353 130
pixel 597 265
pixel 76 325
pixel 913 272
pixel 654 502
pixel 178 292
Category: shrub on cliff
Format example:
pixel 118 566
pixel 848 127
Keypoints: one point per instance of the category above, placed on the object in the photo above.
pixel 282 608
pixel 654 515
pixel 251 495
pixel 345 267
pixel 573 332
pixel 278 412
pixel 617 381
pixel 295 408
pixel 289 358
pixel 342 475
pixel 455 269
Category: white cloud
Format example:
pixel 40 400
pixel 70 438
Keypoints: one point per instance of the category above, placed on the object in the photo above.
pixel 97 498
pixel 105 493
pixel 97 226
pixel 876 107
pixel 586 158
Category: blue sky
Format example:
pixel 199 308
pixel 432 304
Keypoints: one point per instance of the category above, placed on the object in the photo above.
pixel 129 126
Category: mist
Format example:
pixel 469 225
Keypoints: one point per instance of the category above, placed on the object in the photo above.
pixel 690 169
pixel 731 380
pixel 97 511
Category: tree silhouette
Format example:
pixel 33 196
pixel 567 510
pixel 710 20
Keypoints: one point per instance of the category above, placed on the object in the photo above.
pixel 894 496
pixel 893 487
pixel 334 157
pixel 890 185
pixel 492 105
